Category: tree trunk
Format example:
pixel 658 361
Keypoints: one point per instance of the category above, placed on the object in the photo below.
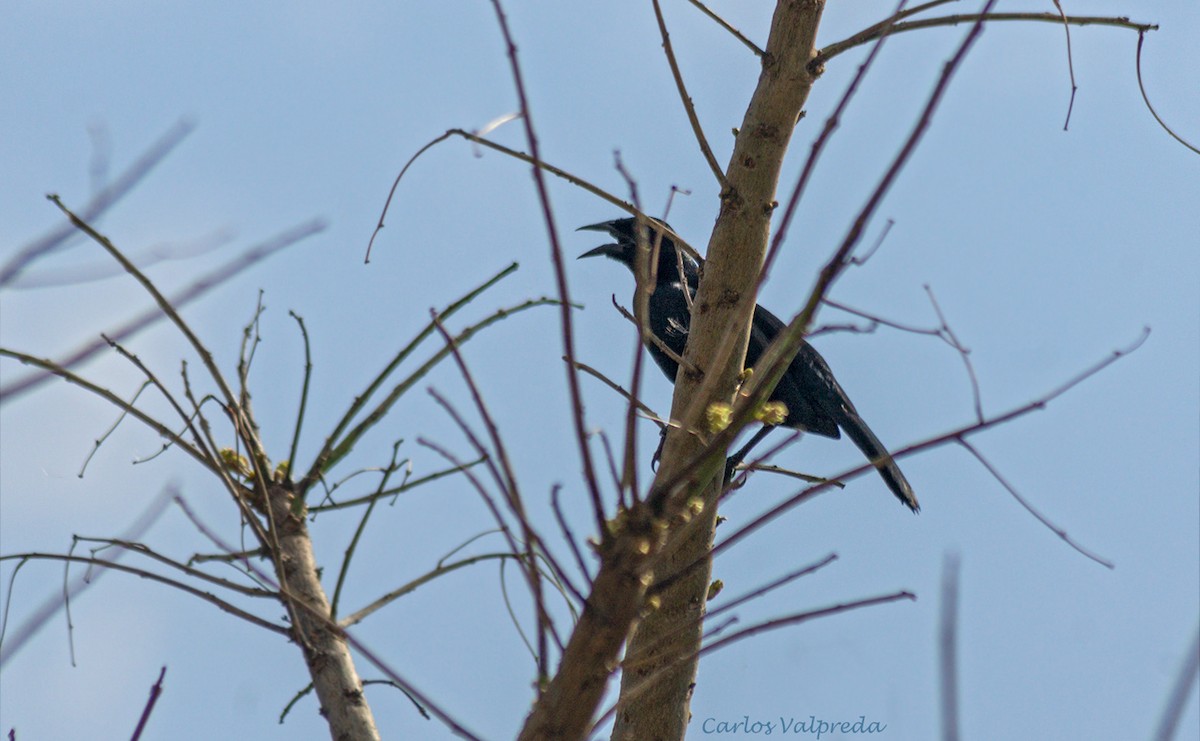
pixel 338 687
pixel 720 327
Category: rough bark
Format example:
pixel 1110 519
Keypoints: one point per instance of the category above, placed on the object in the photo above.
pixel 566 709
pixel 326 653
pixel 664 647
pixel 637 540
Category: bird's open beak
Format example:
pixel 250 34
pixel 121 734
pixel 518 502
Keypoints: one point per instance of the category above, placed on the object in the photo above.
pixel 603 226
pixel 606 250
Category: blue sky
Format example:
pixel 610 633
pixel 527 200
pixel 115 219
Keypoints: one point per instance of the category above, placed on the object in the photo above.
pixel 1046 251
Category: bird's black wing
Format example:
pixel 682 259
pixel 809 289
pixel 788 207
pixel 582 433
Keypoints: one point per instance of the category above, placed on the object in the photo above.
pixel 669 322
pixel 800 386
pixel 817 403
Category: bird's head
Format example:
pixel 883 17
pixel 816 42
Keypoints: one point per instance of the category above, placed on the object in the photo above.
pixel 625 248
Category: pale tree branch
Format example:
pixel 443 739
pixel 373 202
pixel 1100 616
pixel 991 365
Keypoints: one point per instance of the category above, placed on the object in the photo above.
pixel 99 203
pixel 869 34
pixel 685 98
pixel 948 648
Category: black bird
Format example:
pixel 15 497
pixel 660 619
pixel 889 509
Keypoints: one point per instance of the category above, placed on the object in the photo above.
pixel 815 401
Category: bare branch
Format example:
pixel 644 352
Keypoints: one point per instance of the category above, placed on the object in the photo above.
pixel 155 691
pixel 725 25
pixel 1146 98
pixel 100 201
pixel 747 632
pixel 152 576
pixel 965 353
pixel 203 285
pixel 395 594
pixel 1177 702
pixel 53 604
pixel 954 436
pixel 53 369
pixel 395 490
pixel 865 36
pixel 1060 532
pixel 818 147
pixel 771 586
pixel 1070 62
pixel 391 468
pixel 948 648
pixel 171 313
pixel 686 99
pixel 308 368
pixel 506 480
pixel 647 411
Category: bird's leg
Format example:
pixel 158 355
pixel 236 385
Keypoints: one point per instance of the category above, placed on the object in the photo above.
pixel 736 459
pixel 662 440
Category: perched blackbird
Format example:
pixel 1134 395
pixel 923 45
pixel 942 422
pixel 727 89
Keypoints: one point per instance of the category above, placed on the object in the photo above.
pixel 815 401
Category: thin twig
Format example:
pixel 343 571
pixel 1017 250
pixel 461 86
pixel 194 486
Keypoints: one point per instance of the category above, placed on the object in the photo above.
pixel 575 180
pixel 1181 691
pixel 656 341
pixel 800 617
pixel 877 319
pixel 567 534
pixel 41 616
pixel 747 632
pixel 818 147
pixel 686 99
pixel 54 369
pixel 1070 64
pixel 641 406
pixel 203 285
pixel 144 550
pixel 327 456
pixel 188 419
pixel 112 428
pixel 964 352
pixel 152 576
pixel 645 278
pixel 308 368
pixel 863 37
pixel 395 490
pixel 560 271
pixel 1012 490
pixel 948 648
pixel 391 468
pixel 336 449
pixel 860 260
pixel 770 586
pixel 100 202
pixel 725 25
pixel 954 436
pixel 440 570
pixel 1146 98
pixel 484 494
pixel 506 480
pixel 155 690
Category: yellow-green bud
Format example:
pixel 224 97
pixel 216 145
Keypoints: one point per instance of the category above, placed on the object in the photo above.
pixel 235 463
pixel 772 413
pixel 718 415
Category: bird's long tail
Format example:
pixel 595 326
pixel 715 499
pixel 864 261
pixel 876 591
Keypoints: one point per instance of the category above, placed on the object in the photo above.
pixel 871 447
